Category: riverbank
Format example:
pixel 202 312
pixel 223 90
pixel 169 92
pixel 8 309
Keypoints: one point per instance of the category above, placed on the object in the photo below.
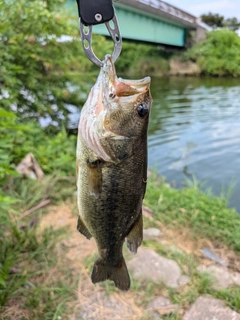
pixel 187 232
pixel 163 67
pixel 217 56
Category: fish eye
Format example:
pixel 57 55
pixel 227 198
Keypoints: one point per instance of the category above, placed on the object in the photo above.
pixel 142 110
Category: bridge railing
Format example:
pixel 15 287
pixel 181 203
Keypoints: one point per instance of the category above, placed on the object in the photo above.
pixel 163 6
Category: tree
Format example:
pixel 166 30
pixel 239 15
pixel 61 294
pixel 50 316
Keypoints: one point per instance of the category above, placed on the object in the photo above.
pixel 213 20
pixel 217 21
pixel 232 24
pixel 36 69
pixel 218 54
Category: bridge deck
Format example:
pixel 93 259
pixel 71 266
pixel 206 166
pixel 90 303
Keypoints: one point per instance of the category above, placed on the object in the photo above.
pixel 164 10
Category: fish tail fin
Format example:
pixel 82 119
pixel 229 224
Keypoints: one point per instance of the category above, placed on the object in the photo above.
pixel 119 274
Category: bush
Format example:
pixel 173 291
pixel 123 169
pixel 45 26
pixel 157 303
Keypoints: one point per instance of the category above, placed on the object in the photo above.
pixel 55 152
pixel 134 54
pixel 153 66
pixel 218 54
pixel 8 129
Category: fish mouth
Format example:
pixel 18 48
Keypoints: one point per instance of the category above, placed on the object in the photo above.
pixel 111 98
pixel 114 87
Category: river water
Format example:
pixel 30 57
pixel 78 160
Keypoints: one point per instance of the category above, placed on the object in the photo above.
pixel 194 130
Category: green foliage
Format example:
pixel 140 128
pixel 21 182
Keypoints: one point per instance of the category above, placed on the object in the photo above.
pixel 38 72
pixel 213 20
pixel 232 24
pixel 8 128
pixel 204 215
pixel 154 66
pixel 35 66
pixel 231 296
pixel 135 55
pixel 217 21
pixel 54 152
pixel 218 54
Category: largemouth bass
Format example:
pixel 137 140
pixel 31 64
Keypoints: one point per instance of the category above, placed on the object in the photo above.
pixel 112 169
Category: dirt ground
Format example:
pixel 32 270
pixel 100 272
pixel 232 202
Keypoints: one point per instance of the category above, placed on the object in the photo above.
pixel 92 301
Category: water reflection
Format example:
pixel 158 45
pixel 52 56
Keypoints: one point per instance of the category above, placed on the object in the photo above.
pixel 195 130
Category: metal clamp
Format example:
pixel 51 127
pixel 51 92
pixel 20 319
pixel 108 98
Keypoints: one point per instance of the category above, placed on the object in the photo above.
pixel 86 37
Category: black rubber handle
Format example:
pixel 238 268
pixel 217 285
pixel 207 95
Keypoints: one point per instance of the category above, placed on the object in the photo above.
pixel 94 12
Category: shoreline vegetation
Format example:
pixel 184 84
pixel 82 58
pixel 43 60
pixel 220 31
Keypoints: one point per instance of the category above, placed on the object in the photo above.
pixel 36 280
pixel 38 80
pixel 217 56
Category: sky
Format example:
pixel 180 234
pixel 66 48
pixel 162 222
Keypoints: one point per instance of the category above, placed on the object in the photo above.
pixel 226 8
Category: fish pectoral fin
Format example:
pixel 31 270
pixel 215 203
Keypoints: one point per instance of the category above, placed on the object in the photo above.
pixel 94 173
pixel 118 274
pixel 83 229
pixel 135 236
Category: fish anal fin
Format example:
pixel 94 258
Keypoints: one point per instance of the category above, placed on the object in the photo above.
pixel 118 274
pixel 83 229
pixel 94 172
pixel 135 236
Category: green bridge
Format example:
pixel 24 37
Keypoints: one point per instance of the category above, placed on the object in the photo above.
pixel 152 21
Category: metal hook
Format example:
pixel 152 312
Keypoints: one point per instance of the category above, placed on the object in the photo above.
pixel 86 37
